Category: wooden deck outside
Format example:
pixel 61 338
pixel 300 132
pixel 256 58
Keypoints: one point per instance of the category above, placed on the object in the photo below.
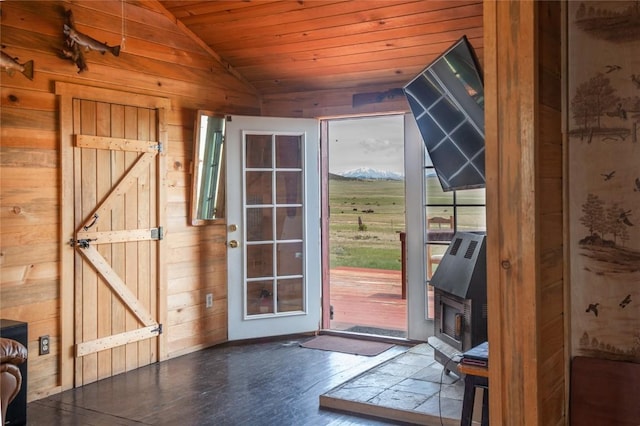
pixel 367 298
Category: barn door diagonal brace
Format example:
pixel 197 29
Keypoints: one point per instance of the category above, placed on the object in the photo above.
pixel 119 287
pixel 140 166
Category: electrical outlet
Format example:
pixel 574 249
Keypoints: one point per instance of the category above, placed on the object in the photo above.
pixel 209 300
pixel 44 345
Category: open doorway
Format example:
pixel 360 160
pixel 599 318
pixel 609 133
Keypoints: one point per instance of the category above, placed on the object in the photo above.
pixel 366 199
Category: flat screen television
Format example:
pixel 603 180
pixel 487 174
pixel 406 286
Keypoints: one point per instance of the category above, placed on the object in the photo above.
pixel 447 102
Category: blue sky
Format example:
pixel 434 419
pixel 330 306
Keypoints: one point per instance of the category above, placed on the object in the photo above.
pixel 375 142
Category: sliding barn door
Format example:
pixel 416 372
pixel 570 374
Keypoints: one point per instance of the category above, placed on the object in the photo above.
pixel 115 175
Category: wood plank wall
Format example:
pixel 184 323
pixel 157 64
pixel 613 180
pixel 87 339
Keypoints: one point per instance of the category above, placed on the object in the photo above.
pixel 553 335
pixel 525 231
pixel 338 103
pixel 329 103
pixel 157 59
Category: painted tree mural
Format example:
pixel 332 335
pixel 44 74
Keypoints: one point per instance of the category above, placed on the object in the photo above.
pixel 593 213
pixel 603 222
pixel 591 100
pixel 613 225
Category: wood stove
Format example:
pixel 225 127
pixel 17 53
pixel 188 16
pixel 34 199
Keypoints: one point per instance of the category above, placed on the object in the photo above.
pixel 460 292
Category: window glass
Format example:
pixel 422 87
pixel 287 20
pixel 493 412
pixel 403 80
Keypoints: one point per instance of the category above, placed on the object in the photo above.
pixel 447 213
pixel 433 190
pixel 471 219
pixel 471 196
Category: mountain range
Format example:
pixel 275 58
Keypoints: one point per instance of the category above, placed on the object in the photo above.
pixel 370 173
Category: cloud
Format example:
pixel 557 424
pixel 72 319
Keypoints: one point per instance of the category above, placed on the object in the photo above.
pixel 373 145
pixel 376 142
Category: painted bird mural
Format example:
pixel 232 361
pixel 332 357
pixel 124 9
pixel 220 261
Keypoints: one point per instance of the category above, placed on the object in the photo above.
pixel 612 68
pixel 608 176
pixel 625 301
pixel 593 307
pixel 624 217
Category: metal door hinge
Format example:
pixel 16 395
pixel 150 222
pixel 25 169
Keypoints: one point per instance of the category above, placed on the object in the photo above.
pixel 159 147
pixel 158 330
pixel 157 233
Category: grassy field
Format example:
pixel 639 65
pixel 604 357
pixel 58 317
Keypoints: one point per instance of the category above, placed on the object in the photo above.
pixel 380 206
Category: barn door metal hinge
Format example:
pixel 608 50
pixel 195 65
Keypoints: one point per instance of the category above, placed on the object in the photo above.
pixel 159 147
pixel 83 242
pixel 157 233
pixel 158 330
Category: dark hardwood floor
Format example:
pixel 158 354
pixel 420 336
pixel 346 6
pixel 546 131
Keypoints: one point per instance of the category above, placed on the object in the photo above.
pixel 272 382
pixel 261 383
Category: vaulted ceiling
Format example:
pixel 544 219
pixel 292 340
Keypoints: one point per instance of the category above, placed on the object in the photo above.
pixel 312 45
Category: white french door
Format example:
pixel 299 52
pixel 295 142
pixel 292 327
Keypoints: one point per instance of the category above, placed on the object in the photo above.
pixel 273 226
pixel 419 324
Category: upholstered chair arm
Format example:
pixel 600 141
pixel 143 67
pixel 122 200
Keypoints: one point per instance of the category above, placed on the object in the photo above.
pixel 12 351
pixel 12 354
pixel 12 370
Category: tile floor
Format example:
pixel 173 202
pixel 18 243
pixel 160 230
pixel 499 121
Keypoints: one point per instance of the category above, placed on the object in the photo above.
pixel 410 387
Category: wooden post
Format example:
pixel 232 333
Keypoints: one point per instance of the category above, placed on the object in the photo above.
pixel 525 210
pixel 510 117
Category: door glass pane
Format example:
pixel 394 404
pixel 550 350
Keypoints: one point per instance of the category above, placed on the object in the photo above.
pixel 288 152
pixel 258 151
pixel 258 187
pixel 290 295
pixel 289 259
pixel 259 224
pixel 260 297
pixel 289 187
pixel 259 260
pixel 289 223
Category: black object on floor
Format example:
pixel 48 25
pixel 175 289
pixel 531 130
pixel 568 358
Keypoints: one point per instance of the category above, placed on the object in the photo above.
pixel 346 345
pixel 377 331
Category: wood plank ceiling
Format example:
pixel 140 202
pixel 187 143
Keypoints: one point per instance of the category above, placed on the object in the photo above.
pixel 300 46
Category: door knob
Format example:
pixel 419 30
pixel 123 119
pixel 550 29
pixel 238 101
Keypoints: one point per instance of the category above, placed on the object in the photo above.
pixel 233 244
